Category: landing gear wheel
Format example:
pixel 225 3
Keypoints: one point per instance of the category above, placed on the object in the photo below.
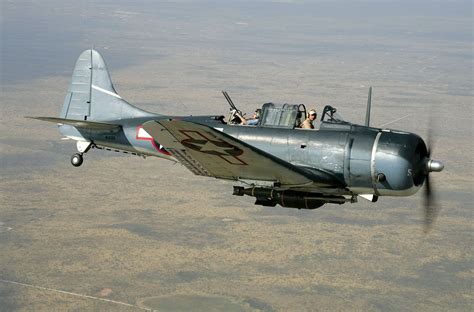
pixel 76 160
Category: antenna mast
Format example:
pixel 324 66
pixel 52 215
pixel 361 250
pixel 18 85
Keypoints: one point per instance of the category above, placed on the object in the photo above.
pixel 369 104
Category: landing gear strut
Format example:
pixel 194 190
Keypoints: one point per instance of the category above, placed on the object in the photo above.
pixel 82 147
pixel 76 159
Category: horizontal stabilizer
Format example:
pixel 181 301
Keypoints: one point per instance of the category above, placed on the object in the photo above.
pixel 80 124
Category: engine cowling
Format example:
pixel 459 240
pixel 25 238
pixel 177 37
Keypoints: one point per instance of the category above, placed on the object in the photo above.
pixel 390 163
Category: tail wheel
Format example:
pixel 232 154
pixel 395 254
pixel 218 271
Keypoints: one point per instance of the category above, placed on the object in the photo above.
pixel 76 160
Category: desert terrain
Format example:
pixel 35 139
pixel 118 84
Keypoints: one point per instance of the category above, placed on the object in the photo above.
pixel 122 233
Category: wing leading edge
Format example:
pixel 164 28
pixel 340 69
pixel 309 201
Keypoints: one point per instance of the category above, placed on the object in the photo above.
pixel 208 152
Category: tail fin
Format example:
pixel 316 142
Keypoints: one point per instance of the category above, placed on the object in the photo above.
pixel 91 94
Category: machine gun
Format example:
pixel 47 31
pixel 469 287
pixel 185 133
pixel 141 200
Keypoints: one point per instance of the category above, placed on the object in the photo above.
pixel 234 112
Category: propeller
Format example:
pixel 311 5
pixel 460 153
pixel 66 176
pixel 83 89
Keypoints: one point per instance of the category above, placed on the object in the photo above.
pixel 431 207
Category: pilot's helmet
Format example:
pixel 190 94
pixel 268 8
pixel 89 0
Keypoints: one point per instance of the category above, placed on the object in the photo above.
pixel 312 112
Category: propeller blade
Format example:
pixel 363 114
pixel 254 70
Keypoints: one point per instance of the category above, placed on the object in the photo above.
pixel 429 139
pixel 427 206
pixel 430 205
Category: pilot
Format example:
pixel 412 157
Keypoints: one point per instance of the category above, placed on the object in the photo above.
pixel 308 122
pixel 251 121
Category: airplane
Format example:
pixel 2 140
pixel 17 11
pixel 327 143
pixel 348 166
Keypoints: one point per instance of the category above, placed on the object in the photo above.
pixel 274 161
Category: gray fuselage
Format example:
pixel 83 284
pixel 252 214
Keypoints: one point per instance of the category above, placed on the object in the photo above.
pixel 365 160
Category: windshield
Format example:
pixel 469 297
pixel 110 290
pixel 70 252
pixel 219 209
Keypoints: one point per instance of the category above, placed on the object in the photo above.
pixel 281 115
pixel 330 115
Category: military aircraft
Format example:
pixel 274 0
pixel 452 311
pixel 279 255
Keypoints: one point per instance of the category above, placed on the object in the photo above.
pixel 274 161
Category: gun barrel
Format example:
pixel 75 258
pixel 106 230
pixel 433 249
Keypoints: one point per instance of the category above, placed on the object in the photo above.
pixel 229 100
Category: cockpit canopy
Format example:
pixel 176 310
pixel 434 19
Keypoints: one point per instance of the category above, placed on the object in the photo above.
pixel 292 115
pixel 330 115
pixel 287 116
pixel 282 115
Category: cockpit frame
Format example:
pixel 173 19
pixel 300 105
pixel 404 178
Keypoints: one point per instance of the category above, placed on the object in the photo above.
pixel 285 115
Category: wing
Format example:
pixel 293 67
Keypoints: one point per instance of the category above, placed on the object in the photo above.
pixel 80 124
pixel 208 152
